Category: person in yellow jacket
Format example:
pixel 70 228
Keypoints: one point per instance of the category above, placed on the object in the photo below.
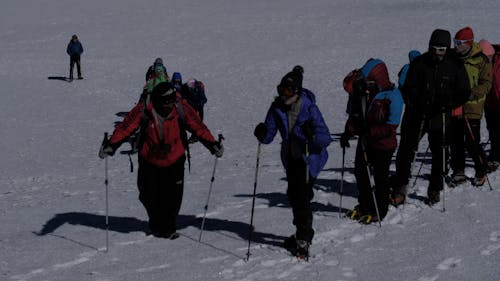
pixel 466 124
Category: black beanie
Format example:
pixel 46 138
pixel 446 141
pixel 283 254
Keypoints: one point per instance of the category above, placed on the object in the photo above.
pixel 440 38
pixel 293 79
pixel 164 92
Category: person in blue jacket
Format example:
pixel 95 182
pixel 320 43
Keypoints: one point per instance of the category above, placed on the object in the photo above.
pixel 375 111
pixel 74 51
pixel 404 70
pixel 305 138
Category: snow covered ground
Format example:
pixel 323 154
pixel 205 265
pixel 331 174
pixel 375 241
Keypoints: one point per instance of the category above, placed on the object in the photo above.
pixel 52 192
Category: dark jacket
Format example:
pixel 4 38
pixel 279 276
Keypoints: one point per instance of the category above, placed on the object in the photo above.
pixel 74 48
pixel 433 87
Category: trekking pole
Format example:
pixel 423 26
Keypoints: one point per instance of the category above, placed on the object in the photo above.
pixel 250 231
pixel 443 145
pixel 342 180
pixel 479 154
pixel 372 184
pixel 106 184
pixel 420 169
pixel 209 192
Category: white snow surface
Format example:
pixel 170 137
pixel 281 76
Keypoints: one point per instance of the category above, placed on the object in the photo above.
pixel 52 191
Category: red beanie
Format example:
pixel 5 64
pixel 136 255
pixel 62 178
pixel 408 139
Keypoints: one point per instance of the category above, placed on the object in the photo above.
pixel 465 34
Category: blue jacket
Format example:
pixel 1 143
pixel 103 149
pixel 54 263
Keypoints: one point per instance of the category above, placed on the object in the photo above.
pixel 74 48
pixel 276 120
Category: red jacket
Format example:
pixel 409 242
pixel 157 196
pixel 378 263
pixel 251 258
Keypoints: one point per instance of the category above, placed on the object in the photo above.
pixel 154 150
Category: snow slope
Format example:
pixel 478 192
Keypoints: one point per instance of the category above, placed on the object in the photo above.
pixel 52 192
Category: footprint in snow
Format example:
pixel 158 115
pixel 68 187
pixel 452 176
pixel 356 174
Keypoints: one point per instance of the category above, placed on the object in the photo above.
pixel 449 263
pixel 494 237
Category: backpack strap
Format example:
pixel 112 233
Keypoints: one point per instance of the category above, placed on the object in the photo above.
pixel 182 127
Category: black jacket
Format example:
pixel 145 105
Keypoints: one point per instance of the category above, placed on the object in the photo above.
pixel 433 87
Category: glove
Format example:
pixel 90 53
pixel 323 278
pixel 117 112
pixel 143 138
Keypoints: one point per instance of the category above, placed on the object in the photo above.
pixel 107 149
pixel 308 131
pixel 260 132
pixel 217 149
pixel 344 140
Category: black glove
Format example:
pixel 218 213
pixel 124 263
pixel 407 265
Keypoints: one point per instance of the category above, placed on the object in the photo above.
pixel 217 149
pixel 260 131
pixel 107 149
pixel 344 140
pixel 308 131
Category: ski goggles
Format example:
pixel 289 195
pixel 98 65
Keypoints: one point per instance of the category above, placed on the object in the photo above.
pixel 459 42
pixel 439 50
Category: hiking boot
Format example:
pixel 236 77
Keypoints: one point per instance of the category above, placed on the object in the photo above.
pixel 367 219
pixel 492 166
pixel 302 251
pixel 478 180
pixel 397 199
pixel 457 178
pixel 433 197
pixel 166 235
pixel 354 214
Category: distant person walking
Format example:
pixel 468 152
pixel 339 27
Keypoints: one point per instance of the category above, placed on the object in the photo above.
pixel 74 51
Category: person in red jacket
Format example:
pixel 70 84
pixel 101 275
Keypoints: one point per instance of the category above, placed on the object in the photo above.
pixel 162 119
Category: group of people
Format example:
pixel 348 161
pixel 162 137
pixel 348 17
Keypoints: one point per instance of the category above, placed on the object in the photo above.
pixel 444 92
pixel 441 92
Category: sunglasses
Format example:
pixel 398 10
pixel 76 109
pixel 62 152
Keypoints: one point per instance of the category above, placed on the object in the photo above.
pixel 439 50
pixel 460 42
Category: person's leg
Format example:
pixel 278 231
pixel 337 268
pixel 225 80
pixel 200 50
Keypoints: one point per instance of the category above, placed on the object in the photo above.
pixel 473 144
pixel 71 65
pixel 381 161
pixel 147 183
pixel 170 194
pixel 300 195
pixel 78 67
pixel 457 147
pixel 365 202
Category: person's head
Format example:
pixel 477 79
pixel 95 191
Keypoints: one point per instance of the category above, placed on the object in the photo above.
pixel 439 44
pixel 463 40
pixel 177 80
pixel 379 75
pixel 290 85
pixel 158 61
pixel 74 38
pixel 164 96
pixel 487 48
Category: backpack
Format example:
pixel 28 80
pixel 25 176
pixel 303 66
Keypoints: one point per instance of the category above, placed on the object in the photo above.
pixel 378 113
pixel 194 92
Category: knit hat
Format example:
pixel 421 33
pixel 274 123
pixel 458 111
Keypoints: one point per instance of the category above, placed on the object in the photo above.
pixel 163 93
pixel 440 38
pixel 158 61
pixel 488 49
pixel 293 80
pixel 379 75
pixel 465 34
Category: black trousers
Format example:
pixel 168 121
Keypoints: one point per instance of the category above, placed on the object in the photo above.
pixel 75 59
pixel 462 137
pixel 300 195
pixel 160 192
pixel 492 117
pixel 412 132
pixel 379 162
